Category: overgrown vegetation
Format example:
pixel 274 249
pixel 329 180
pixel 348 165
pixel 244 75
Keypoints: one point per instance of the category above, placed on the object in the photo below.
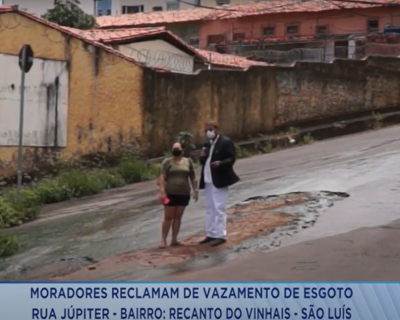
pixel 308 139
pixel 265 146
pixel 378 118
pixel 242 152
pixel 186 140
pixel 72 182
pixel 69 14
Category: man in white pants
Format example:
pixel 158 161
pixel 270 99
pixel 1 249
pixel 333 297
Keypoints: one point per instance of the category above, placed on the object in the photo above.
pixel 217 158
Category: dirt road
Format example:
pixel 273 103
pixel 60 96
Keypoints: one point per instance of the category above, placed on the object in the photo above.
pixel 113 236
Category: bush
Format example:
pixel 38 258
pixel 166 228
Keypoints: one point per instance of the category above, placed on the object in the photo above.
pixel 9 216
pixel 134 170
pixel 110 179
pixel 71 182
pixel 80 183
pixel 14 211
pixel 8 245
pixel 51 191
pixel 27 204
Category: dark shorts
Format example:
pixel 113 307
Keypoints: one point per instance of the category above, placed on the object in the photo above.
pixel 178 200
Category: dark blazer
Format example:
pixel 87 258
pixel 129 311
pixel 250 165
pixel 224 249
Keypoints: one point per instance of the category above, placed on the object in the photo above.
pixel 224 151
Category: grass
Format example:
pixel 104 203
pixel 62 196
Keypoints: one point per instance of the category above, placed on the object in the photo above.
pixel 70 183
pixel 242 153
pixel 378 118
pixel 308 139
pixel 265 146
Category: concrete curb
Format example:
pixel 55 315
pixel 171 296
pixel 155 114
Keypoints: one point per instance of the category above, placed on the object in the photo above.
pixel 317 132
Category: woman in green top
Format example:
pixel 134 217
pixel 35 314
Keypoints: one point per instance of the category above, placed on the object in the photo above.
pixel 177 173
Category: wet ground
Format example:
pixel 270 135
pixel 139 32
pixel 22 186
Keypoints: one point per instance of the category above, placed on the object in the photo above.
pixel 86 239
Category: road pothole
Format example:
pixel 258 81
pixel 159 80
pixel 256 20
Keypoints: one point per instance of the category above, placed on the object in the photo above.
pixel 258 223
pixel 303 208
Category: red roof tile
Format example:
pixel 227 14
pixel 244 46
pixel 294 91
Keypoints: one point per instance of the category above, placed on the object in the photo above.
pixel 112 36
pixel 228 60
pixel 155 18
pixel 118 35
pixel 6 8
pixel 98 37
pixel 236 11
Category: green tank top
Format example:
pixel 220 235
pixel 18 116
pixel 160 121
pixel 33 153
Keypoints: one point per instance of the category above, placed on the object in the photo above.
pixel 177 176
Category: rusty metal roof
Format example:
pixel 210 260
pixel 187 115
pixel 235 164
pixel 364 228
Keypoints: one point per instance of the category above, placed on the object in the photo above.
pixel 236 11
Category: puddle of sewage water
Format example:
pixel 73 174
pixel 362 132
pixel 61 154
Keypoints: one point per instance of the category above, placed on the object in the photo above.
pixel 304 208
pixel 258 223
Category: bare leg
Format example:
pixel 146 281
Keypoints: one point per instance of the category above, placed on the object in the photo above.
pixel 166 224
pixel 176 224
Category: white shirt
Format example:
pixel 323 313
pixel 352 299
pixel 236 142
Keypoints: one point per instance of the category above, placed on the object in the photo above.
pixel 207 166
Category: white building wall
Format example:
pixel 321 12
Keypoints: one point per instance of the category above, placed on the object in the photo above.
pixel 148 5
pixel 46 103
pixel 159 54
pixel 40 7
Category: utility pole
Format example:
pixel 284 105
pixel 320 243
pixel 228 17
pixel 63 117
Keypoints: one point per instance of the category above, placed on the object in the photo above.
pixel 25 62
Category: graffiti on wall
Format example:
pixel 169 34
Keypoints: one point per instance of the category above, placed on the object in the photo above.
pixel 162 59
pixel 46 103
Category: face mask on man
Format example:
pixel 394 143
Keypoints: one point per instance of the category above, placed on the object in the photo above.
pixel 176 152
pixel 210 134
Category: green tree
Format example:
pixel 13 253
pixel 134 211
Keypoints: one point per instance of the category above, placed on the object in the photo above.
pixel 69 14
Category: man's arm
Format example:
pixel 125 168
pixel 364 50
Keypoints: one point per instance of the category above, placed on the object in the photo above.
pixel 229 153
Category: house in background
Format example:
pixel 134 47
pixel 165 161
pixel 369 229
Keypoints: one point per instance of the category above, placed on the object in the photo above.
pixel 103 7
pixel 160 48
pixel 40 7
pixel 84 96
pixel 137 6
pixel 118 7
pixel 183 23
pixel 274 31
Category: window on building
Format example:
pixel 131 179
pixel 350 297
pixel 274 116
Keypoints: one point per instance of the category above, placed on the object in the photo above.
pixel 194 41
pixel 269 31
pixel 109 12
pixel 216 38
pixel 158 8
pixel 238 37
pixel 173 5
pixel 321 30
pixel 373 25
pixel 222 2
pixel 132 9
pixel 294 29
pixel 99 13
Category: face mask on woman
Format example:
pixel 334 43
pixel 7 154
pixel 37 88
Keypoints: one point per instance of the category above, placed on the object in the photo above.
pixel 176 152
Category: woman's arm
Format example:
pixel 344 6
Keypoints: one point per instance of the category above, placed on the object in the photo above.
pixel 161 183
pixel 193 181
pixel 163 177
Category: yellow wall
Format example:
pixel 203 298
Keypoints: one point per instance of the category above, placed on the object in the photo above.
pixel 264 99
pixel 104 107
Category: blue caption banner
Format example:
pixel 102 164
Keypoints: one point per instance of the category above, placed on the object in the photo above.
pixel 207 301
